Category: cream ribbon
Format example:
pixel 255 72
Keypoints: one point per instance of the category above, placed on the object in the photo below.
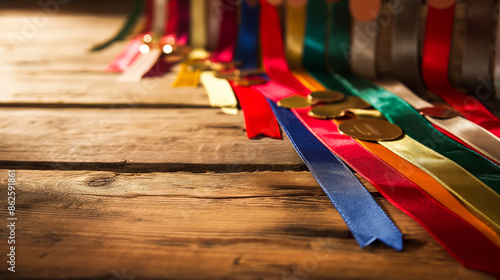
pixel 219 92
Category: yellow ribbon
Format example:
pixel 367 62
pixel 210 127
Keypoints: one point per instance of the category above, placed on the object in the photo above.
pixel 452 176
pixel 187 78
pixel 295 32
pixel 198 24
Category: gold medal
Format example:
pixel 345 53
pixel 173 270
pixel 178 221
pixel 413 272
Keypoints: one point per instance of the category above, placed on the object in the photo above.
pixel 370 129
pixel 337 110
pixel 325 96
pixel 329 111
pixel 294 102
pixel 439 112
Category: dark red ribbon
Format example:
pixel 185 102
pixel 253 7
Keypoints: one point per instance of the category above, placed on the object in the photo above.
pixel 435 70
pixel 149 16
pixel 259 118
pixel 226 44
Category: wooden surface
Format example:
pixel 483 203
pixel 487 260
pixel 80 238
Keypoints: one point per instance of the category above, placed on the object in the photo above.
pixel 116 183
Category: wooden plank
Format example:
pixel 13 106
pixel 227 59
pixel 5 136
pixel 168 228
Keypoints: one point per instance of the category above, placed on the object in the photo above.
pixel 264 225
pixel 96 89
pixel 145 140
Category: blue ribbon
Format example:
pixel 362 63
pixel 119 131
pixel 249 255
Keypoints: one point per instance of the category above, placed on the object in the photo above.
pixel 364 217
pixel 248 35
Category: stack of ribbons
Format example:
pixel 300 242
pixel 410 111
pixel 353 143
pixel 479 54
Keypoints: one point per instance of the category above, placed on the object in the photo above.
pixel 310 67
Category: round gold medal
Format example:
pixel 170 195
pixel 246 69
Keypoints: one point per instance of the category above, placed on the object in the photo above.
pixel 325 96
pixel 439 112
pixel 294 102
pixel 370 129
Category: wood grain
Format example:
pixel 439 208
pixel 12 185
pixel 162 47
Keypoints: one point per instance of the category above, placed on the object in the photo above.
pixel 264 225
pixel 169 195
pixel 143 140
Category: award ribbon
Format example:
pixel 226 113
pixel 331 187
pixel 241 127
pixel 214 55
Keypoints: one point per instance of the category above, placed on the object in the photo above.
pixel 405 45
pixel 147 59
pixel 435 69
pixel 357 218
pixel 127 28
pixel 400 113
pixel 415 147
pixel 364 37
pixel 473 135
pixel 477 44
pixel 259 118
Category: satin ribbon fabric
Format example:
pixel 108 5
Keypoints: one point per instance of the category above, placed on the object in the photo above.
pixel 435 69
pixel 176 32
pixel 127 28
pixel 405 45
pixel 364 48
pixel 477 137
pixel 477 44
pixel 226 43
pixel 437 230
pixel 183 27
pixel 277 69
pixel 399 112
pixel 259 118
pixel 219 92
pixel 213 25
pixel 248 35
pixel 363 216
pixel 295 31
pixel 198 29
pixel 126 57
pixel 496 68
pixel 156 11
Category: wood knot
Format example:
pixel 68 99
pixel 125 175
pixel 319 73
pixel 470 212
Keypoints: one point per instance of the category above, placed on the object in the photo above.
pixel 101 182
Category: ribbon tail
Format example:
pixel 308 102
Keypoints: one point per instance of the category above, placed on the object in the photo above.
pixel 132 20
pixel 364 217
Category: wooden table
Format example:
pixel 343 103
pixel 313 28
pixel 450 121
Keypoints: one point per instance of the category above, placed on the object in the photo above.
pixel 116 181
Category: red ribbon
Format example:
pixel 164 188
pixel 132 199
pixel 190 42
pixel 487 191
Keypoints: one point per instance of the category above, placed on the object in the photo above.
pixel 459 238
pixel 183 23
pixel 435 70
pixel 259 118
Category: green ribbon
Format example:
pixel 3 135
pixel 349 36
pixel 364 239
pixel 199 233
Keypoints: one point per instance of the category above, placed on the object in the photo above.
pixel 391 106
pixel 132 19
